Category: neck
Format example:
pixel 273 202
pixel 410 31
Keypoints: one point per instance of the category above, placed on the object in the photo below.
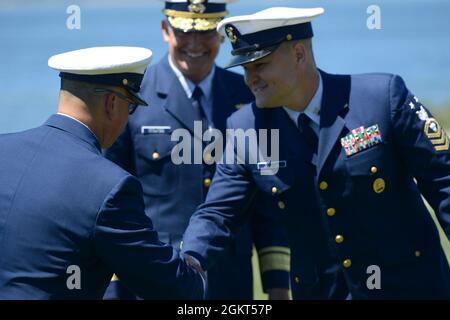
pixel 307 89
pixel 76 108
pixel 196 79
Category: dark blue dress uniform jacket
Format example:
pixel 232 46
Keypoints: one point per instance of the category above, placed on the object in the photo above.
pixel 357 211
pixel 173 192
pixel 62 204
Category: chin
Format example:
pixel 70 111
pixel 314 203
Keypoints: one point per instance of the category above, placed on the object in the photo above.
pixel 262 104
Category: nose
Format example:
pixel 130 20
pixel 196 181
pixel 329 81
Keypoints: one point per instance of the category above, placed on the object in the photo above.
pixel 250 77
pixel 195 40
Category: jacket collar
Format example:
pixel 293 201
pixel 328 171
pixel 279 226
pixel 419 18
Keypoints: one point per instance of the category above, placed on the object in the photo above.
pixel 335 100
pixel 75 128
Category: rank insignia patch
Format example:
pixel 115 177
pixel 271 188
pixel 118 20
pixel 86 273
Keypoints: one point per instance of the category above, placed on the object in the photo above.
pixel 432 128
pixel 436 134
pixel 360 139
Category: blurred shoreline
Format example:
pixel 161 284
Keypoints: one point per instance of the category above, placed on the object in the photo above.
pixel 32 31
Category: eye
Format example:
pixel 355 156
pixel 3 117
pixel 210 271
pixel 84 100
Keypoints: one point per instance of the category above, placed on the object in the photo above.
pixel 260 65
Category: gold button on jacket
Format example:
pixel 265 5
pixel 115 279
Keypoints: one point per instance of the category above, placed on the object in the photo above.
pixel 331 212
pixel 323 185
pixel 206 182
pixel 339 238
pixel 347 263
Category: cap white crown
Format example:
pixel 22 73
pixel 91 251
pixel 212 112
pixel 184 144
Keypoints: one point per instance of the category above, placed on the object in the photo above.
pixel 210 1
pixel 102 60
pixel 269 19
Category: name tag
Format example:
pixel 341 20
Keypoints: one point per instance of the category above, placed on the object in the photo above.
pixel 271 165
pixel 155 129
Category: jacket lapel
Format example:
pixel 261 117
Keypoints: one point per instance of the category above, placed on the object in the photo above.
pixel 176 102
pixel 336 92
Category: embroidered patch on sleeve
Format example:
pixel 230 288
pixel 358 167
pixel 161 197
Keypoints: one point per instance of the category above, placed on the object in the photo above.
pixel 432 128
pixel 436 134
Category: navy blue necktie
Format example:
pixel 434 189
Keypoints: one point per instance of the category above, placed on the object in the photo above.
pixel 197 96
pixel 307 132
pixel 201 112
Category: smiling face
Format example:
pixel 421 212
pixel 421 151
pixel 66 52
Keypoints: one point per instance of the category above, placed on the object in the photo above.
pixel 275 80
pixel 193 53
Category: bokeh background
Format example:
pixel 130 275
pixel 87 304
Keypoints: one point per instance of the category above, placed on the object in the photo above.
pixel 414 41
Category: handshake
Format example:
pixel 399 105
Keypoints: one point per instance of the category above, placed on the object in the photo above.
pixel 193 262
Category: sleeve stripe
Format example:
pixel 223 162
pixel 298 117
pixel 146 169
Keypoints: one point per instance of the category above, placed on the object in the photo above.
pixel 274 249
pixel 274 261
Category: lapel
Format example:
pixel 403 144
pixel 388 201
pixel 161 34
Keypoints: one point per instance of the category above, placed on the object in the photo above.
pixel 76 129
pixel 335 98
pixel 175 100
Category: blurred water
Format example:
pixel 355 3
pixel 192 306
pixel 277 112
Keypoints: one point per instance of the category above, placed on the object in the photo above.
pixel 414 42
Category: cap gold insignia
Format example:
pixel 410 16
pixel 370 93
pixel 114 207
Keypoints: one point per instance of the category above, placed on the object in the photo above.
pixel 436 135
pixel 197 6
pixel 231 35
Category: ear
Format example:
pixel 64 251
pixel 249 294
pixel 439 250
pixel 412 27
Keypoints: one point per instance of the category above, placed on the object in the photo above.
pixel 300 52
pixel 165 30
pixel 110 106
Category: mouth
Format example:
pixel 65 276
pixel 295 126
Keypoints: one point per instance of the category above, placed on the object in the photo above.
pixel 259 89
pixel 195 55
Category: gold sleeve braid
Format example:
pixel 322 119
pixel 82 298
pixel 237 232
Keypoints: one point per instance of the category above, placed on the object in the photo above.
pixel 274 258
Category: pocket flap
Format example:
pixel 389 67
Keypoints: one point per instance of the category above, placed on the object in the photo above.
pixel 363 162
pixel 154 147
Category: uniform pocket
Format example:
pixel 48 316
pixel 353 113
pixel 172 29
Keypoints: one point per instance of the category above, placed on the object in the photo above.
pixel 373 176
pixel 367 162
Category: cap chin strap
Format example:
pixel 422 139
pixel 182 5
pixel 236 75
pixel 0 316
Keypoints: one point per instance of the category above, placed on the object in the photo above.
pixel 257 47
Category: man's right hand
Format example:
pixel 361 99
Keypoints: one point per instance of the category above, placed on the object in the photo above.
pixel 278 294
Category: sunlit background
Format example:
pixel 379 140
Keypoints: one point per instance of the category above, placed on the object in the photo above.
pixel 414 41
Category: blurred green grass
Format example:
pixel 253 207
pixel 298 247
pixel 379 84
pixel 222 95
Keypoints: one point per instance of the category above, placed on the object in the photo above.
pixel 442 114
pixel 258 293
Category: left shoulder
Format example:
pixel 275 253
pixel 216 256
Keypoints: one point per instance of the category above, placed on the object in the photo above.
pixel 379 81
pixel 230 79
pixel 224 73
pixel 233 82
pixel 388 87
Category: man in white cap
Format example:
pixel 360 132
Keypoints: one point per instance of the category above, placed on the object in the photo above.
pixel 69 218
pixel 186 86
pixel 351 148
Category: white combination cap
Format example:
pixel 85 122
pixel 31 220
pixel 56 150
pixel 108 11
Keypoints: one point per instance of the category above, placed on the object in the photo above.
pixel 114 66
pixel 257 35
